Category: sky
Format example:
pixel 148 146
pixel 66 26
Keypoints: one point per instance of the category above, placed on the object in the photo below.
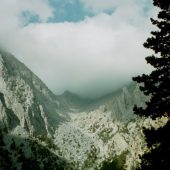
pixel 89 47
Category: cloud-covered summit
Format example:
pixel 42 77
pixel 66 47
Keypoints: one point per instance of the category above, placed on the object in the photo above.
pixel 90 55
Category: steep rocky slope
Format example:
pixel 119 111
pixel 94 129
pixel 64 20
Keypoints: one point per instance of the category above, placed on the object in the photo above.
pixel 26 104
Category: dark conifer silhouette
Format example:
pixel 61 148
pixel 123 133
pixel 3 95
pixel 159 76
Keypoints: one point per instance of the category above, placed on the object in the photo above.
pixel 157 86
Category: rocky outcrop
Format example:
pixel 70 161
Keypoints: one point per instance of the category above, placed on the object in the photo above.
pixel 122 104
pixel 25 101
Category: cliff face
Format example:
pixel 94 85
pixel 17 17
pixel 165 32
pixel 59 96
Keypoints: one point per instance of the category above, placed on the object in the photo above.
pixel 121 105
pixel 26 103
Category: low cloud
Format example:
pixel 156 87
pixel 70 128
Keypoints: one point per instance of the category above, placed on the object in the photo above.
pixel 91 57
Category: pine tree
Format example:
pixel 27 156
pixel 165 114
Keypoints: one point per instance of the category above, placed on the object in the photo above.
pixel 157 86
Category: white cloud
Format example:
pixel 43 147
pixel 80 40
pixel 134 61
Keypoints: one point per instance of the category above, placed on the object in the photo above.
pixel 90 57
pixel 10 13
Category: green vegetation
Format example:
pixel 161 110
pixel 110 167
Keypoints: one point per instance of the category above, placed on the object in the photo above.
pixel 106 134
pixel 29 154
pixel 117 163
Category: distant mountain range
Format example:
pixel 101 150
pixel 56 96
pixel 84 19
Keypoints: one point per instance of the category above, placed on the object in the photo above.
pixel 79 133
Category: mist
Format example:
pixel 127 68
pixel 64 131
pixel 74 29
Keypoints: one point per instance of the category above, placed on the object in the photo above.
pixel 91 57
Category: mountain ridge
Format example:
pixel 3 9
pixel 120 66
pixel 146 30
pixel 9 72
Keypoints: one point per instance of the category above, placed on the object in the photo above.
pixel 28 97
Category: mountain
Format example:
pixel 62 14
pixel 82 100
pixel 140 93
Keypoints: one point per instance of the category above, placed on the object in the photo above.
pixel 120 103
pixel 41 130
pixel 105 131
pixel 26 104
pixel 72 102
pixel 105 134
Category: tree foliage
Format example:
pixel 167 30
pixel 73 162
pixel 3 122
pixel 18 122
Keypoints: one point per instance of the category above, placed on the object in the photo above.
pixel 27 153
pixel 157 86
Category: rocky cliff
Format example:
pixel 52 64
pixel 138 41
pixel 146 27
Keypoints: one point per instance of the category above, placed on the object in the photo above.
pixel 26 104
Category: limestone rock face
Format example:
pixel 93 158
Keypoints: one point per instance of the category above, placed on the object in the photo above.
pixel 25 101
pixel 122 104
